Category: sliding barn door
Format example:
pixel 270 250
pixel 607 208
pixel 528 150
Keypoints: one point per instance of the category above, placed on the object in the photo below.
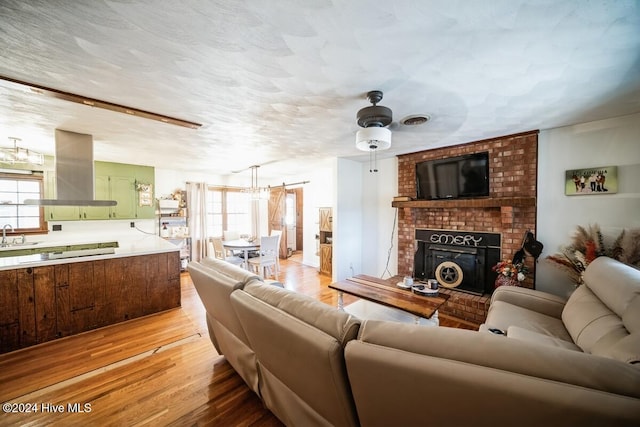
pixel 277 200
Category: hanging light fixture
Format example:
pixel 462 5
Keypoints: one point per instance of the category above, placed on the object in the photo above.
pixel 257 193
pixel 19 155
pixel 374 136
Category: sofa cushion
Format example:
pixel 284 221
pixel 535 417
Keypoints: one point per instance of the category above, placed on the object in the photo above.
pixel 502 315
pixel 214 289
pixel 408 375
pixel 588 320
pixel 227 335
pixel 614 283
pixel 540 302
pixel 498 352
pixel 538 338
pixel 329 320
pixel 299 344
pixel 240 275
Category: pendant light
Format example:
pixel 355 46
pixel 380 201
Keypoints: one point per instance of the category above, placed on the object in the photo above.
pixel 19 155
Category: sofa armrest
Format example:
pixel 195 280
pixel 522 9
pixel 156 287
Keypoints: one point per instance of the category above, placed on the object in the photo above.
pixel 511 355
pixel 541 302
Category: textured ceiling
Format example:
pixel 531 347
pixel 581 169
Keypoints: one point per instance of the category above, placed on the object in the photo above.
pixel 280 82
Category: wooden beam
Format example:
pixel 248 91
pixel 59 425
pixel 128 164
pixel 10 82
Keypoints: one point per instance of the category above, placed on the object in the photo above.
pixel 92 102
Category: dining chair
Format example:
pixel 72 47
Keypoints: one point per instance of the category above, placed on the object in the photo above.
pixel 268 257
pixel 217 250
pixel 231 235
pixel 279 234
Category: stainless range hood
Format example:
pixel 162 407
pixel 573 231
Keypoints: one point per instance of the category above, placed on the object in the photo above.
pixel 74 173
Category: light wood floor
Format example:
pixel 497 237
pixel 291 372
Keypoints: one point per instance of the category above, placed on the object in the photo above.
pixel 158 370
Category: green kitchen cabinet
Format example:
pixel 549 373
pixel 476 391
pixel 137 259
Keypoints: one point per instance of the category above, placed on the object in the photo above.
pixel 123 191
pixel 113 181
pixel 123 181
pixel 101 191
pixel 57 213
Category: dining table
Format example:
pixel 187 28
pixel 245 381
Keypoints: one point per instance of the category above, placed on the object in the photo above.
pixel 242 245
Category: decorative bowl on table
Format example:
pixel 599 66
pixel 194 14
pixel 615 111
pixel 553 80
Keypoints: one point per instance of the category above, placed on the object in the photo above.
pixel 424 290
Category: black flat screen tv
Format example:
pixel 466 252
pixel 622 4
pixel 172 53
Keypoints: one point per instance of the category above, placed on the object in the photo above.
pixel 453 177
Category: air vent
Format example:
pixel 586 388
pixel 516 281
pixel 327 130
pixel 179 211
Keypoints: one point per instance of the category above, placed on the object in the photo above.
pixel 415 120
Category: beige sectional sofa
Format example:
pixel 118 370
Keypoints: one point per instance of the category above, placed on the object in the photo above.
pixel 215 280
pixel 561 362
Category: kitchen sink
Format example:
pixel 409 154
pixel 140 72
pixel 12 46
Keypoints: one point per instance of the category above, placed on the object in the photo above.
pixel 32 248
pixel 18 245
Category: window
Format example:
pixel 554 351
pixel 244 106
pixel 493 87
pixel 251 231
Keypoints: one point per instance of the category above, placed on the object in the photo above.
pixel 14 189
pixel 228 209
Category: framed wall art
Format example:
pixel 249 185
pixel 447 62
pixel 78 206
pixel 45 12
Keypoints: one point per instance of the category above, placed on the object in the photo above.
pixel 591 181
pixel 145 194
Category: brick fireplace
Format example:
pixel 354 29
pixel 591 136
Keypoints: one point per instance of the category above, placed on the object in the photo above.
pixel 510 209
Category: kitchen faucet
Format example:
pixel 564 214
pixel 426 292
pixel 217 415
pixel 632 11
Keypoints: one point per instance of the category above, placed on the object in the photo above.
pixel 4 234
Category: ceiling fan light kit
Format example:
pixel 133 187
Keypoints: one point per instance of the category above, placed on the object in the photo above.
pixel 374 136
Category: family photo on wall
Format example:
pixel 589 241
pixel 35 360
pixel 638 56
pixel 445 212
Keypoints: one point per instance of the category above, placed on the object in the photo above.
pixel 599 180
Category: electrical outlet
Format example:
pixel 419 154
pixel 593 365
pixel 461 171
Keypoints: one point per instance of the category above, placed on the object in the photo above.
pixel 133 224
pixel 56 227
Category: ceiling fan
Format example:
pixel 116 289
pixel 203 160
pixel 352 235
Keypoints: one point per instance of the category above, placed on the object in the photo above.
pixel 375 134
pixel 377 122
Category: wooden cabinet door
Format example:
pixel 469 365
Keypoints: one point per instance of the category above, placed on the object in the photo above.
pixel 163 282
pixel 326 261
pixel 63 305
pixel 124 286
pixel 26 307
pixel 45 303
pixel 75 298
pixel 326 219
pixel 10 313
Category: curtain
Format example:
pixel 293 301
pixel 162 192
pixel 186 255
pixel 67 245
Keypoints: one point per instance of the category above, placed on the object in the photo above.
pixel 197 205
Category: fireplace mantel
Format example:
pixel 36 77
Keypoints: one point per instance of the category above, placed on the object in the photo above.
pixel 488 202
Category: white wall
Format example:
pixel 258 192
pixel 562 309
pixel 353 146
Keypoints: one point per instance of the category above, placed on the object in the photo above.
pixel 611 142
pixel 318 193
pixel 379 226
pixel 347 219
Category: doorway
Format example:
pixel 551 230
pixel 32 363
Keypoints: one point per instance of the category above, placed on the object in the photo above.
pixel 286 214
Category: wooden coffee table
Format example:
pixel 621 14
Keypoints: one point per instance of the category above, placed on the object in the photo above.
pixel 385 292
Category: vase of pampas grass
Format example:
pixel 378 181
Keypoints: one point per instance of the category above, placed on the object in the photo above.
pixel 587 244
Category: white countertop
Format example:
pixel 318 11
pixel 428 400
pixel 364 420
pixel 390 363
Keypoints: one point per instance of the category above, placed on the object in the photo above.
pixel 129 244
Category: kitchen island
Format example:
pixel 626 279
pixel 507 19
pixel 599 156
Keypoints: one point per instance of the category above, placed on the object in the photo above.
pixel 93 284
